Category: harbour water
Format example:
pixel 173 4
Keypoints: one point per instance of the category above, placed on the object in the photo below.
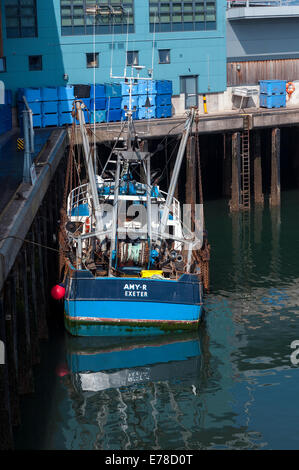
pixel 231 386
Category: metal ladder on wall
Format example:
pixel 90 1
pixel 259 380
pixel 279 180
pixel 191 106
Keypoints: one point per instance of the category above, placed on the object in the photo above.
pixel 245 164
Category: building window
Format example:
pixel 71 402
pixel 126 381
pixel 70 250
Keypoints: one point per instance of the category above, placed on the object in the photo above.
pixel 21 18
pixel 132 58
pixel 184 15
pixel 35 63
pixel 164 56
pixel 114 16
pixel 92 60
pixel 2 64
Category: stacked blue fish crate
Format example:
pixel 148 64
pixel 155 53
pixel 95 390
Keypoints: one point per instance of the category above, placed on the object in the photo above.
pixel 6 113
pixel 273 93
pixel 163 100
pixel 97 103
pixel 66 97
pixel 113 93
pixel 147 96
pixel 33 97
pixel 125 100
pixel 49 106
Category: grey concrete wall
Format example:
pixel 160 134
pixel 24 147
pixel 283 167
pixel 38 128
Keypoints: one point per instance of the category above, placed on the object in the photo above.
pixel 259 39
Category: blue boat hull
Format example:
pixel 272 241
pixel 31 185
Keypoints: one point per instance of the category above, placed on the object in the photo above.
pixel 131 306
pixel 98 364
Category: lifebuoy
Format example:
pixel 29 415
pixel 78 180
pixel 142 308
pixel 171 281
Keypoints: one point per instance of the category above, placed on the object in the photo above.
pixel 290 87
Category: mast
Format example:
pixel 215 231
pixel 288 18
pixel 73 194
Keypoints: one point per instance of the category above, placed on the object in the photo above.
pixel 90 167
pixel 113 247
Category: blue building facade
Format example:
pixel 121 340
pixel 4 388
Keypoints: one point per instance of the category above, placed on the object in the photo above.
pixel 51 43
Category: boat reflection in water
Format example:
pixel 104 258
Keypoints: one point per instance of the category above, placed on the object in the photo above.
pixel 98 364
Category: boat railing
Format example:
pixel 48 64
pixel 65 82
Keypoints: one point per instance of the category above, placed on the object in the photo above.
pixel 77 197
pixel 176 208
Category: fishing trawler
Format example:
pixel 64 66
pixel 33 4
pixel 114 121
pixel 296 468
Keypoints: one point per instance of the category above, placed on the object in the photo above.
pixel 128 275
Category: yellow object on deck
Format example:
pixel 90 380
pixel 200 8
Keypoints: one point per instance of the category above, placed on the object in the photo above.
pixel 148 273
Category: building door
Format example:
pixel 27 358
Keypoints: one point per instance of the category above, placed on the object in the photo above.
pixel 189 88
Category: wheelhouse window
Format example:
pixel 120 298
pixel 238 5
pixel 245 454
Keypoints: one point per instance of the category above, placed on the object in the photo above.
pixel 20 18
pixel 164 56
pixel 113 16
pixel 35 63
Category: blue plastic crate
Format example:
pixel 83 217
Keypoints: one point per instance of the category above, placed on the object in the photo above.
pixel 164 87
pixel 113 102
pixel 147 87
pixel 31 94
pixel 49 107
pixel 5 127
pixel 125 102
pixel 142 100
pixel 164 111
pixel 5 112
pixel 273 87
pixel 87 102
pixel 147 113
pixel 163 100
pixel 272 101
pixel 5 123
pixel 113 115
pixel 99 103
pixel 65 118
pixel 49 93
pixel 97 91
pixel 100 116
pixel 65 106
pixel 50 120
pixel 66 93
pixel 113 90
pixel 125 88
pixel 8 97
pixel 124 116
pixel 36 107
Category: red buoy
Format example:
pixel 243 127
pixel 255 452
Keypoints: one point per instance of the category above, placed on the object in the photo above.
pixel 62 370
pixel 58 292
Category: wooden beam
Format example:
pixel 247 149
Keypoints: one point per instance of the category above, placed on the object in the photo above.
pixel 257 159
pixel 275 168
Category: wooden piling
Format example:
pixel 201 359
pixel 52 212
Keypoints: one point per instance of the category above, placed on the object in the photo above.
pixel 25 373
pixel 227 166
pixel 32 301
pixel 6 437
pixel 236 178
pixel 257 159
pixel 12 347
pixel 190 187
pixel 41 293
pixel 275 168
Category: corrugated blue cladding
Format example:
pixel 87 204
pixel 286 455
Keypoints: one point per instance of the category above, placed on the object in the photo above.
pixel 201 53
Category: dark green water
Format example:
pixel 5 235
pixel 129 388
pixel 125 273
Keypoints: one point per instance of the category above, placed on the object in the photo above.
pixel 233 386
